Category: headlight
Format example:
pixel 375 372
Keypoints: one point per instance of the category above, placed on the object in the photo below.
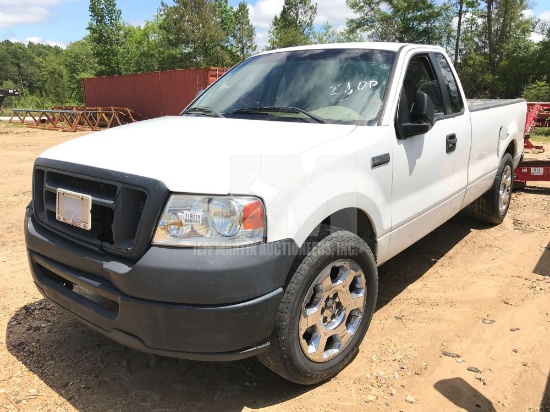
pixel 225 216
pixel 211 221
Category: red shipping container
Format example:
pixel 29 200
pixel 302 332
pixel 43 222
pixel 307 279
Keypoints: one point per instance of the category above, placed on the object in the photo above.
pixel 150 94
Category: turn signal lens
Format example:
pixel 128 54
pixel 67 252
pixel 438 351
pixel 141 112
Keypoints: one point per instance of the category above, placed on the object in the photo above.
pixel 253 216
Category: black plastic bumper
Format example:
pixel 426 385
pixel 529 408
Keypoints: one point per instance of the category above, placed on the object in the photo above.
pixel 184 303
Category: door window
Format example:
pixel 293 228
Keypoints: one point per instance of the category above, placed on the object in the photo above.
pixel 421 77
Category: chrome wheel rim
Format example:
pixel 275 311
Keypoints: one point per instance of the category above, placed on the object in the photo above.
pixel 332 310
pixel 505 192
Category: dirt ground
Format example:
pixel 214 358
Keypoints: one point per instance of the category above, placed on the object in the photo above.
pixel 480 292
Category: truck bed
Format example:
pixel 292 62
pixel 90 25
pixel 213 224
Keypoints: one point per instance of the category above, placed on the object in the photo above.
pixel 504 122
pixel 476 105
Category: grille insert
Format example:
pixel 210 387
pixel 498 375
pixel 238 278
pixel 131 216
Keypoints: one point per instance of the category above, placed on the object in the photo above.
pixel 117 209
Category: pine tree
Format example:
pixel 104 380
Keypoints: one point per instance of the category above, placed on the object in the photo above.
pixel 294 26
pixel 194 28
pixel 405 21
pixel 243 33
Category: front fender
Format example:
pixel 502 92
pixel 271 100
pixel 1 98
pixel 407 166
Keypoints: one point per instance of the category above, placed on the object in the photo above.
pixel 301 191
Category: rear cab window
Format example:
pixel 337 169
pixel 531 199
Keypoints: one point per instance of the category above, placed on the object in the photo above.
pixel 431 73
pixel 457 104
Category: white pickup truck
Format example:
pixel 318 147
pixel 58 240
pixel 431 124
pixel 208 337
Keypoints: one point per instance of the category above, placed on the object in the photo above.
pixel 253 224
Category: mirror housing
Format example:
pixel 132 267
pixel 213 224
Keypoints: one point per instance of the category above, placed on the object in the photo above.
pixel 415 129
pixel 422 117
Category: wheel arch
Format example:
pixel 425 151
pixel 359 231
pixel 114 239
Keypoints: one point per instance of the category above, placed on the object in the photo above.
pixel 511 149
pixel 350 219
pixel 356 221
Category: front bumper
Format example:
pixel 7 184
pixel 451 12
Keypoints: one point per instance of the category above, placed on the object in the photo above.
pixel 201 304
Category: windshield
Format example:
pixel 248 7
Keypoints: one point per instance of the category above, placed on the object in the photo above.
pixel 329 86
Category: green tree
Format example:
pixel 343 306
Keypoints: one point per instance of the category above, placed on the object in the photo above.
pixel 459 28
pixel 243 33
pixel 475 76
pixel 512 27
pixel 495 48
pixel 80 63
pixel 294 25
pixel 538 91
pixel 106 36
pixel 33 68
pixel 8 65
pixel 516 70
pixel 143 49
pixel 227 16
pixel 405 21
pixel 328 34
pixel 54 80
pixel 468 23
pixel 26 73
pixel 227 24
pixel 146 49
pixel 193 28
pixel 541 58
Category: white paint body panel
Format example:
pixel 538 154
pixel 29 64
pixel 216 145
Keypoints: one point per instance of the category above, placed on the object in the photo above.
pixel 493 130
pixel 306 172
pixel 191 154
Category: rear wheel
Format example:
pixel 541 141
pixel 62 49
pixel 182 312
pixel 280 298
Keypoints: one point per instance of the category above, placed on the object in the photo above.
pixel 493 206
pixel 326 309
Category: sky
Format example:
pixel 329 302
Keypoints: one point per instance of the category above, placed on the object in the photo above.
pixel 60 22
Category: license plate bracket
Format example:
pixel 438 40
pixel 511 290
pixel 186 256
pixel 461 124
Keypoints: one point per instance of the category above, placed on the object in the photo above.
pixel 74 209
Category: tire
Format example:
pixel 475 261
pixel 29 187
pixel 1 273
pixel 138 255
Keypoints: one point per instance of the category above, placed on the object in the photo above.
pixel 493 206
pixel 326 309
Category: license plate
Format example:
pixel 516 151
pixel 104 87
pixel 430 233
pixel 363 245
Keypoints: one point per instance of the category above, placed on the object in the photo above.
pixel 74 209
pixel 537 171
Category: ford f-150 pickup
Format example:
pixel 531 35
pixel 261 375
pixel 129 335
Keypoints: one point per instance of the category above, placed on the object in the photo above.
pixel 253 223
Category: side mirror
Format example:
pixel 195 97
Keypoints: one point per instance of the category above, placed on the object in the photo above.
pixel 422 116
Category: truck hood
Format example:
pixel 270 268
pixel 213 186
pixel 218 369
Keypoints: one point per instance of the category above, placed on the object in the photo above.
pixel 193 154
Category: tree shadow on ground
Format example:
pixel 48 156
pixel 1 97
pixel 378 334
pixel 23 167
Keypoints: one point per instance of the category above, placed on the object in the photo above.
pixel 543 266
pixel 545 405
pixel 94 373
pixel 464 395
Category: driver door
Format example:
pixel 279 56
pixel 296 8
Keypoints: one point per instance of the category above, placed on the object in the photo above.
pixel 426 189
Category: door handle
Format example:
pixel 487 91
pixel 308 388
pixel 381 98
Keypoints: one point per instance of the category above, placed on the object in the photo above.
pixel 451 143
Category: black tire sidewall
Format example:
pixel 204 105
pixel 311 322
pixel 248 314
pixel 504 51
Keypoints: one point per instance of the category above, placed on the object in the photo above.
pixel 354 249
pixel 506 160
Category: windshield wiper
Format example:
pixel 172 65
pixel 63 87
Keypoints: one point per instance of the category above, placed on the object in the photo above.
pixel 207 111
pixel 279 109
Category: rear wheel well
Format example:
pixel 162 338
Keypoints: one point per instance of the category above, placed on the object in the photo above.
pixel 511 149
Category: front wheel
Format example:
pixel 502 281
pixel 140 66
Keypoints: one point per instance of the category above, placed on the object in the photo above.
pixel 493 206
pixel 326 309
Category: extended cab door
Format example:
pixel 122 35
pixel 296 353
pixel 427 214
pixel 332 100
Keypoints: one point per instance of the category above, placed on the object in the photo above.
pixel 429 170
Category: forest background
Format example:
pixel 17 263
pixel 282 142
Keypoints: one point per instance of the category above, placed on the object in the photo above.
pixel 491 43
